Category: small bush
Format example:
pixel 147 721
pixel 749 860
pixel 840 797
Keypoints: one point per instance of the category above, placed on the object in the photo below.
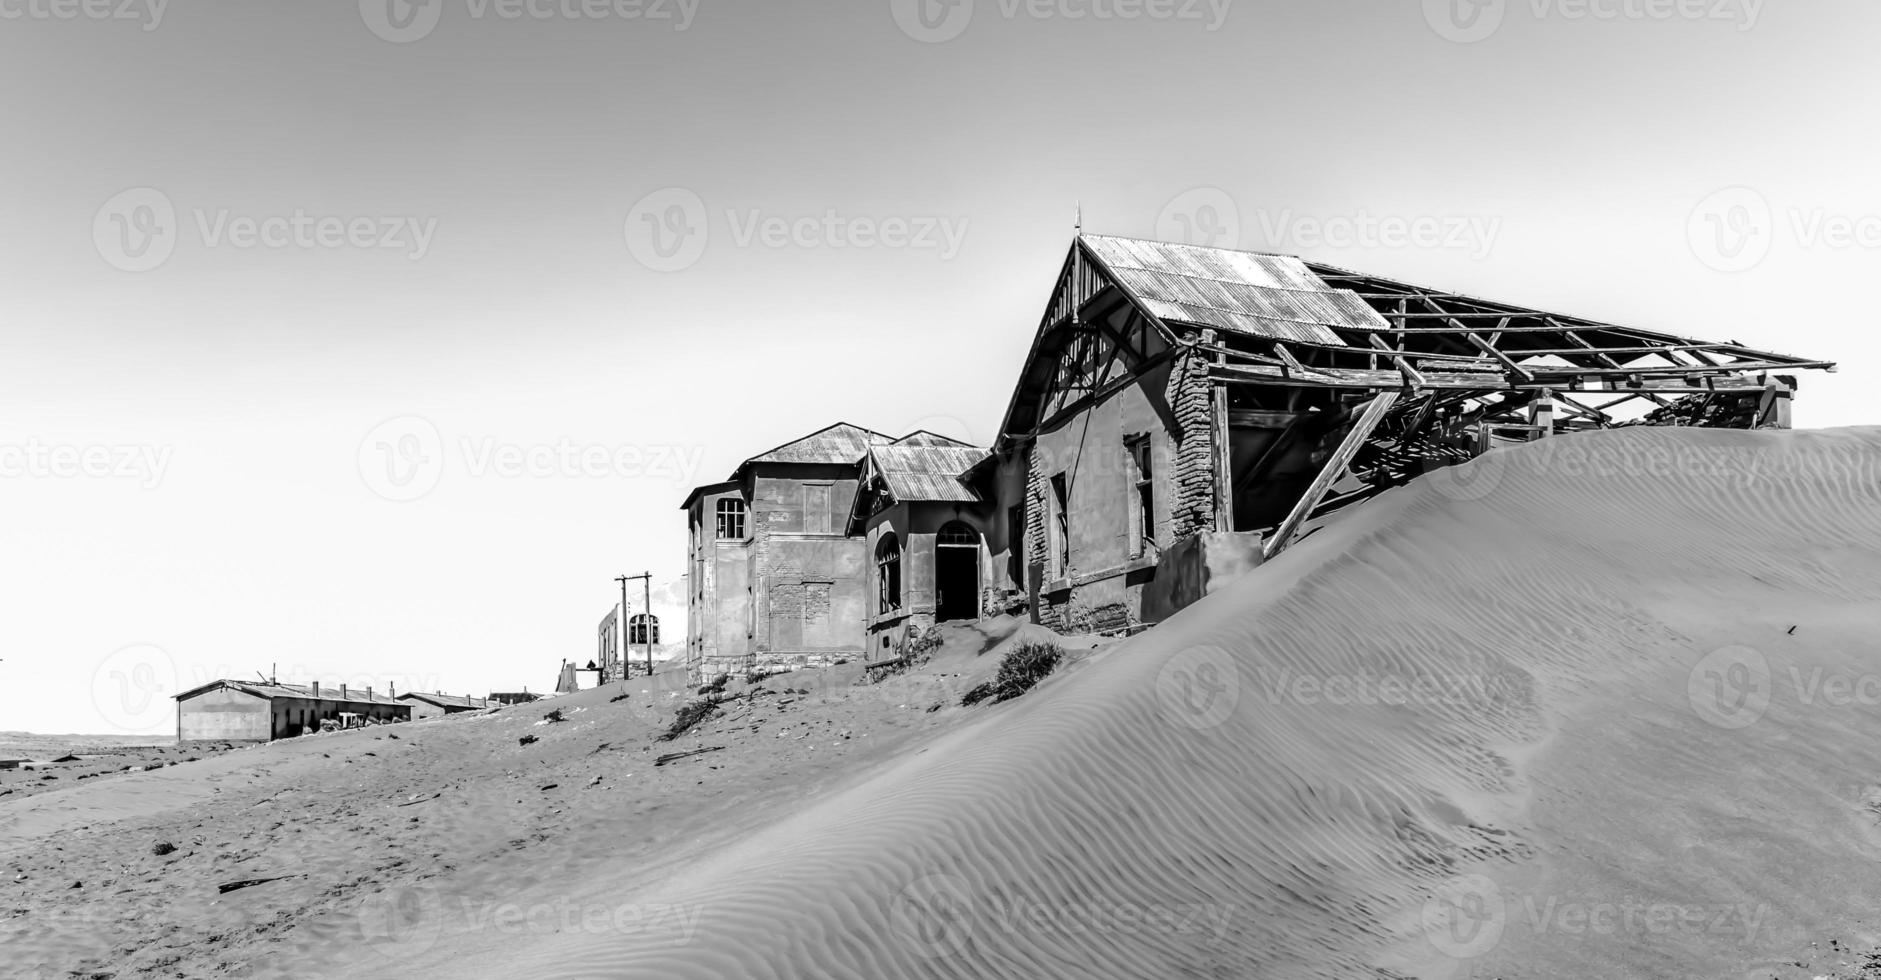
pixel 716 685
pixel 692 713
pixel 1022 668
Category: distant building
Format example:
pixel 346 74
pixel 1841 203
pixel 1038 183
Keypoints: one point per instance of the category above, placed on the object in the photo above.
pixel 506 698
pixel 607 644
pixel 434 705
pixel 774 577
pixel 254 711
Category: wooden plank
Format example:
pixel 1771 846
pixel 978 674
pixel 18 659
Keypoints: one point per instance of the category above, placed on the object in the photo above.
pixel 1461 381
pixel 1411 375
pixel 1330 473
pixel 1224 471
pixel 1507 361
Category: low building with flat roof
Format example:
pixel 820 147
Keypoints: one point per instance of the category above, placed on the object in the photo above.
pixel 425 705
pixel 259 711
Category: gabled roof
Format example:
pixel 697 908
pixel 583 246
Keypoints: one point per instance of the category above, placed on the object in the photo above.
pixel 353 695
pixel 1285 322
pixel 922 437
pixel 446 700
pixel 918 472
pixel 840 443
pixel 907 472
pixel 1274 296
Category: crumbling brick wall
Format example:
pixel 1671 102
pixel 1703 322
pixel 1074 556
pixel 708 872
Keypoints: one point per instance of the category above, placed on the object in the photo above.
pixel 1192 485
pixel 1037 541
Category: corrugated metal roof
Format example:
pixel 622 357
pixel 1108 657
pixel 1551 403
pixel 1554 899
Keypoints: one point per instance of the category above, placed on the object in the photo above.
pixel 840 443
pixel 1273 296
pixel 447 700
pixel 916 472
pixel 922 437
pixel 353 695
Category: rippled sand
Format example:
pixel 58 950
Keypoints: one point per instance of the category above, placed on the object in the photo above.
pixel 1543 715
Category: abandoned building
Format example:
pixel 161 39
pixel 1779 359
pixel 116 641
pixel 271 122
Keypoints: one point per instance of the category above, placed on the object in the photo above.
pixel 1184 413
pixel 259 711
pixel 924 522
pixel 774 578
pixel 437 705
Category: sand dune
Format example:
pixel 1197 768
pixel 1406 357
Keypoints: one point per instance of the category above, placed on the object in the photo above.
pixel 1541 716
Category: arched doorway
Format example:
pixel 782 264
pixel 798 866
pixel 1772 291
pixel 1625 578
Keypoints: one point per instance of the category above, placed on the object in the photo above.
pixel 956 572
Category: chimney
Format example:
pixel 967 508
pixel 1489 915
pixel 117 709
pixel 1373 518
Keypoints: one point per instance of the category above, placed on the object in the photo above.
pixel 316 690
pixel 392 690
pixel 343 692
pixel 368 692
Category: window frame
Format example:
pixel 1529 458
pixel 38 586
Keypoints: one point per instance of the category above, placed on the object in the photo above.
pixel 726 516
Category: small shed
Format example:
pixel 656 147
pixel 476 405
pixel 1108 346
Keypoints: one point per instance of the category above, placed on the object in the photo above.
pixel 425 705
pixel 256 711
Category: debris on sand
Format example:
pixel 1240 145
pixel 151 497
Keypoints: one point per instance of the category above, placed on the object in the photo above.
pixel 676 756
pixel 224 889
pixel 162 847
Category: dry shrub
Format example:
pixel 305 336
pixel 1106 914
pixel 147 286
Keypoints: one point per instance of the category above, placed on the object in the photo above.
pixel 1022 668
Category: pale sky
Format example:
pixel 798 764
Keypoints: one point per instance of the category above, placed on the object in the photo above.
pixel 273 263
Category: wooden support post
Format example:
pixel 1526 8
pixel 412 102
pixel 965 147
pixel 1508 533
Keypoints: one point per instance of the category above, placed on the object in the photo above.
pixel 1334 468
pixel 1224 469
pixel 1541 412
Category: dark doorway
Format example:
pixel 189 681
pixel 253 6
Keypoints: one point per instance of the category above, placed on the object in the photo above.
pixel 956 572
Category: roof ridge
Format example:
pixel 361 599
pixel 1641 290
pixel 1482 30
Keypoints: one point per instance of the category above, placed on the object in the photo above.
pixel 1212 248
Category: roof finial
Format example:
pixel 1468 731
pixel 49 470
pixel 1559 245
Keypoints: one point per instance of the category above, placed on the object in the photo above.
pixel 1077 229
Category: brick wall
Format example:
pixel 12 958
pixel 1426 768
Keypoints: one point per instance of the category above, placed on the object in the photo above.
pixel 1192 484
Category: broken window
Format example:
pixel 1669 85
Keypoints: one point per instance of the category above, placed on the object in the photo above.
pixel 1061 520
pixel 1143 496
pixel 731 519
pixel 888 573
pixel 1015 544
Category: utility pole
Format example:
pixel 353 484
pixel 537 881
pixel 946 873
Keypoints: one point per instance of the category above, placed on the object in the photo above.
pixel 647 624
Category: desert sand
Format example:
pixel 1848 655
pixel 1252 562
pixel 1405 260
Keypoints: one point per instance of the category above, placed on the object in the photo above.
pixel 1602 706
